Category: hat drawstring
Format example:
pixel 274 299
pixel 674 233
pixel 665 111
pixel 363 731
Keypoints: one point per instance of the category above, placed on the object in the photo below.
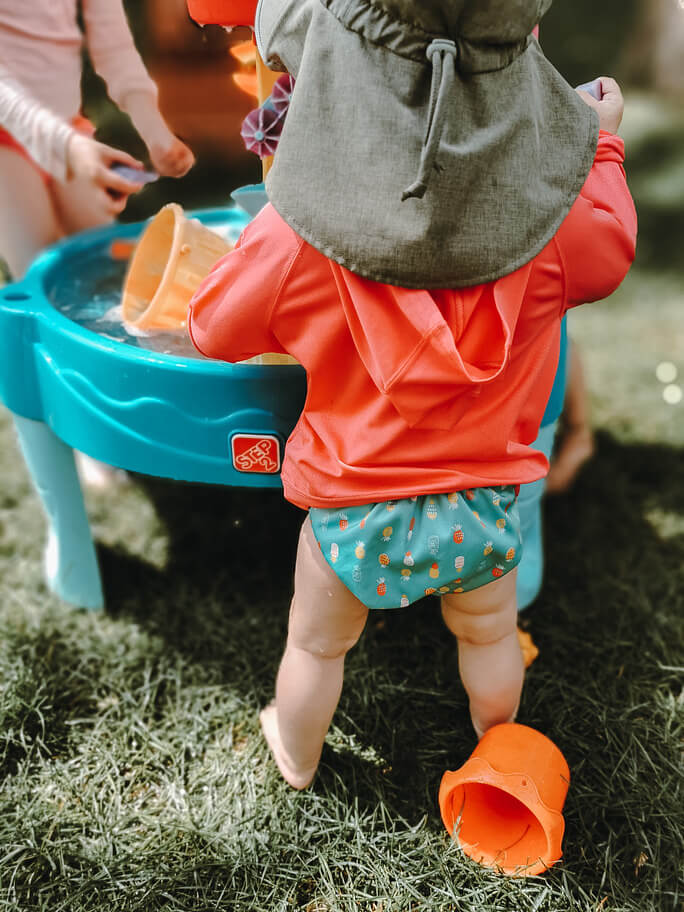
pixel 442 54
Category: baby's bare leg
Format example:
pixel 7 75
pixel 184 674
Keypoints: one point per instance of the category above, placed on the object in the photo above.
pixel 326 620
pixel 489 658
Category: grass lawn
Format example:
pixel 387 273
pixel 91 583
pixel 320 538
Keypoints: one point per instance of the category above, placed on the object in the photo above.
pixel 133 772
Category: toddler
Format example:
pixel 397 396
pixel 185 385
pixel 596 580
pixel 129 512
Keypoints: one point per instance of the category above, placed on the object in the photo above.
pixel 439 199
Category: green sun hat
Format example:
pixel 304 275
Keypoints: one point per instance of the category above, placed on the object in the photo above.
pixel 427 144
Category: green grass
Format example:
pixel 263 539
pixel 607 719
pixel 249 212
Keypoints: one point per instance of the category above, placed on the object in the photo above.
pixel 133 773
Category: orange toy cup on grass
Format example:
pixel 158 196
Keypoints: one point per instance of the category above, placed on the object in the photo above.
pixel 171 259
pixel 503 806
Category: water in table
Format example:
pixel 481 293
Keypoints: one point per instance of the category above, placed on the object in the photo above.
pixel 91 297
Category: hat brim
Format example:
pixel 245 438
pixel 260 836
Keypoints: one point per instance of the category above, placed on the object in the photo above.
pixel 516 150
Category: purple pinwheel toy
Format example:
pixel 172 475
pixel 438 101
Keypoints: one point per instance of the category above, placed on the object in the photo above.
pixel 261 131
pixel 262 127
pixel 281 93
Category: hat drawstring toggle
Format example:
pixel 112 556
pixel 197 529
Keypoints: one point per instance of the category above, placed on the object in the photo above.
pixel 442 54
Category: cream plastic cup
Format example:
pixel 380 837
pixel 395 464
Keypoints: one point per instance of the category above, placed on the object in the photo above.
pixel 170 261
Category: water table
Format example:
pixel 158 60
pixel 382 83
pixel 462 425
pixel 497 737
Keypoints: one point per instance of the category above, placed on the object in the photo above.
pixel 73 377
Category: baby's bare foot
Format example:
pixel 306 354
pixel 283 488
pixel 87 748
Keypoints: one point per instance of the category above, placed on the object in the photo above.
pixel 298 779
pixel 576 447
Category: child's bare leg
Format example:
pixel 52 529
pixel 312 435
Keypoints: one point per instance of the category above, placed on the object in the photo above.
pixel 29 222
pixel 576 440
pixel 326 620
pixel 27 219
pixel 489 658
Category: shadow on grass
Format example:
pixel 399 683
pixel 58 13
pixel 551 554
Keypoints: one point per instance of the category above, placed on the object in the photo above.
pixel 606 622
pixel 169 701
pixel 228 548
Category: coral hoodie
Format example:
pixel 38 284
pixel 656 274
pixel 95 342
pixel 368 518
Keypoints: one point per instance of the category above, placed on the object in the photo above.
pixel 412 391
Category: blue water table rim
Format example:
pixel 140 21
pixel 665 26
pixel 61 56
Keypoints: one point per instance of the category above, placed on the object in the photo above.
pixel 28 296
pixel 162 414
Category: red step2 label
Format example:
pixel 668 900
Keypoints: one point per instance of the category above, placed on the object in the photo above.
pixel 256 453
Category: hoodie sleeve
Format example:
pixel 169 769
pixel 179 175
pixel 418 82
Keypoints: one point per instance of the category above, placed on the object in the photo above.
pixel 597 240
pixel 230 313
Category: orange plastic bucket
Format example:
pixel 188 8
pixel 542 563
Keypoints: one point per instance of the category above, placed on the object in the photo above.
pixel 503 806
pixel 172 257
pixel 223 12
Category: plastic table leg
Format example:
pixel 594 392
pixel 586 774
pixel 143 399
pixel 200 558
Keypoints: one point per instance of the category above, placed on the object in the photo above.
pixel 71 567
pixel 531 566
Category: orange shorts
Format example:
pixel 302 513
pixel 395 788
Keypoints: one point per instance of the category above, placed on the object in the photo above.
pixel 80 123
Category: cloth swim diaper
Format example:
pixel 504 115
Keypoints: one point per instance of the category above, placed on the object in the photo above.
pixel 393 553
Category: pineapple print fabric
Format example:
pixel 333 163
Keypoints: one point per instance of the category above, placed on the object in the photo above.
pixel 393 553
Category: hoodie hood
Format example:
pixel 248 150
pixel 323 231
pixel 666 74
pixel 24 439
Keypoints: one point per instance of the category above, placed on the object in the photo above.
pixel 430 352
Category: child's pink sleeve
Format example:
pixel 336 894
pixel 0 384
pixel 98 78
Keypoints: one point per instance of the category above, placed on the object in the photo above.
pixel 44 135
pixel 230 314
pixel 113 50
pixel 597 240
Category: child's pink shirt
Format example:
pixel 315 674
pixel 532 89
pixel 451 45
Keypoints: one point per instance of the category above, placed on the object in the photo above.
pixel 40 69
pixel 412 392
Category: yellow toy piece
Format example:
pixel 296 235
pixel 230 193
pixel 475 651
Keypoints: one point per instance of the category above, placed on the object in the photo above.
pixel 247 82
pixel 527 647
pixel 245 52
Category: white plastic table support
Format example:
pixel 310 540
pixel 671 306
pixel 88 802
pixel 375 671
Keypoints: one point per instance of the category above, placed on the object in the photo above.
pixel 71 568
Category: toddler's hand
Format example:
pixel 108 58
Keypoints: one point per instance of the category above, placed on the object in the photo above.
pixel 610 107
pixel 172 158
pixel 89 161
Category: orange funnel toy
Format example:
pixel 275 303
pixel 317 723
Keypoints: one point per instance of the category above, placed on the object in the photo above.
pixel 503 806
pixel 229 14
pixel 223 12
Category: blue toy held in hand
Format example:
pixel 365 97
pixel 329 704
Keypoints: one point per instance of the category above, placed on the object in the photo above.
pixel 593 88
pixel 135 175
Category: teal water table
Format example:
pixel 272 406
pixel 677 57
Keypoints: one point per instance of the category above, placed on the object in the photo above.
pixel 74 379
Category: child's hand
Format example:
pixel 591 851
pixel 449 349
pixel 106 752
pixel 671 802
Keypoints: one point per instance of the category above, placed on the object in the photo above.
pixel 89 161
pixel 171 158
pixel 610 107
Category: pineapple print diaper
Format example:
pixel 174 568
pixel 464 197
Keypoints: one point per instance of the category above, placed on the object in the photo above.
pixel 393 553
